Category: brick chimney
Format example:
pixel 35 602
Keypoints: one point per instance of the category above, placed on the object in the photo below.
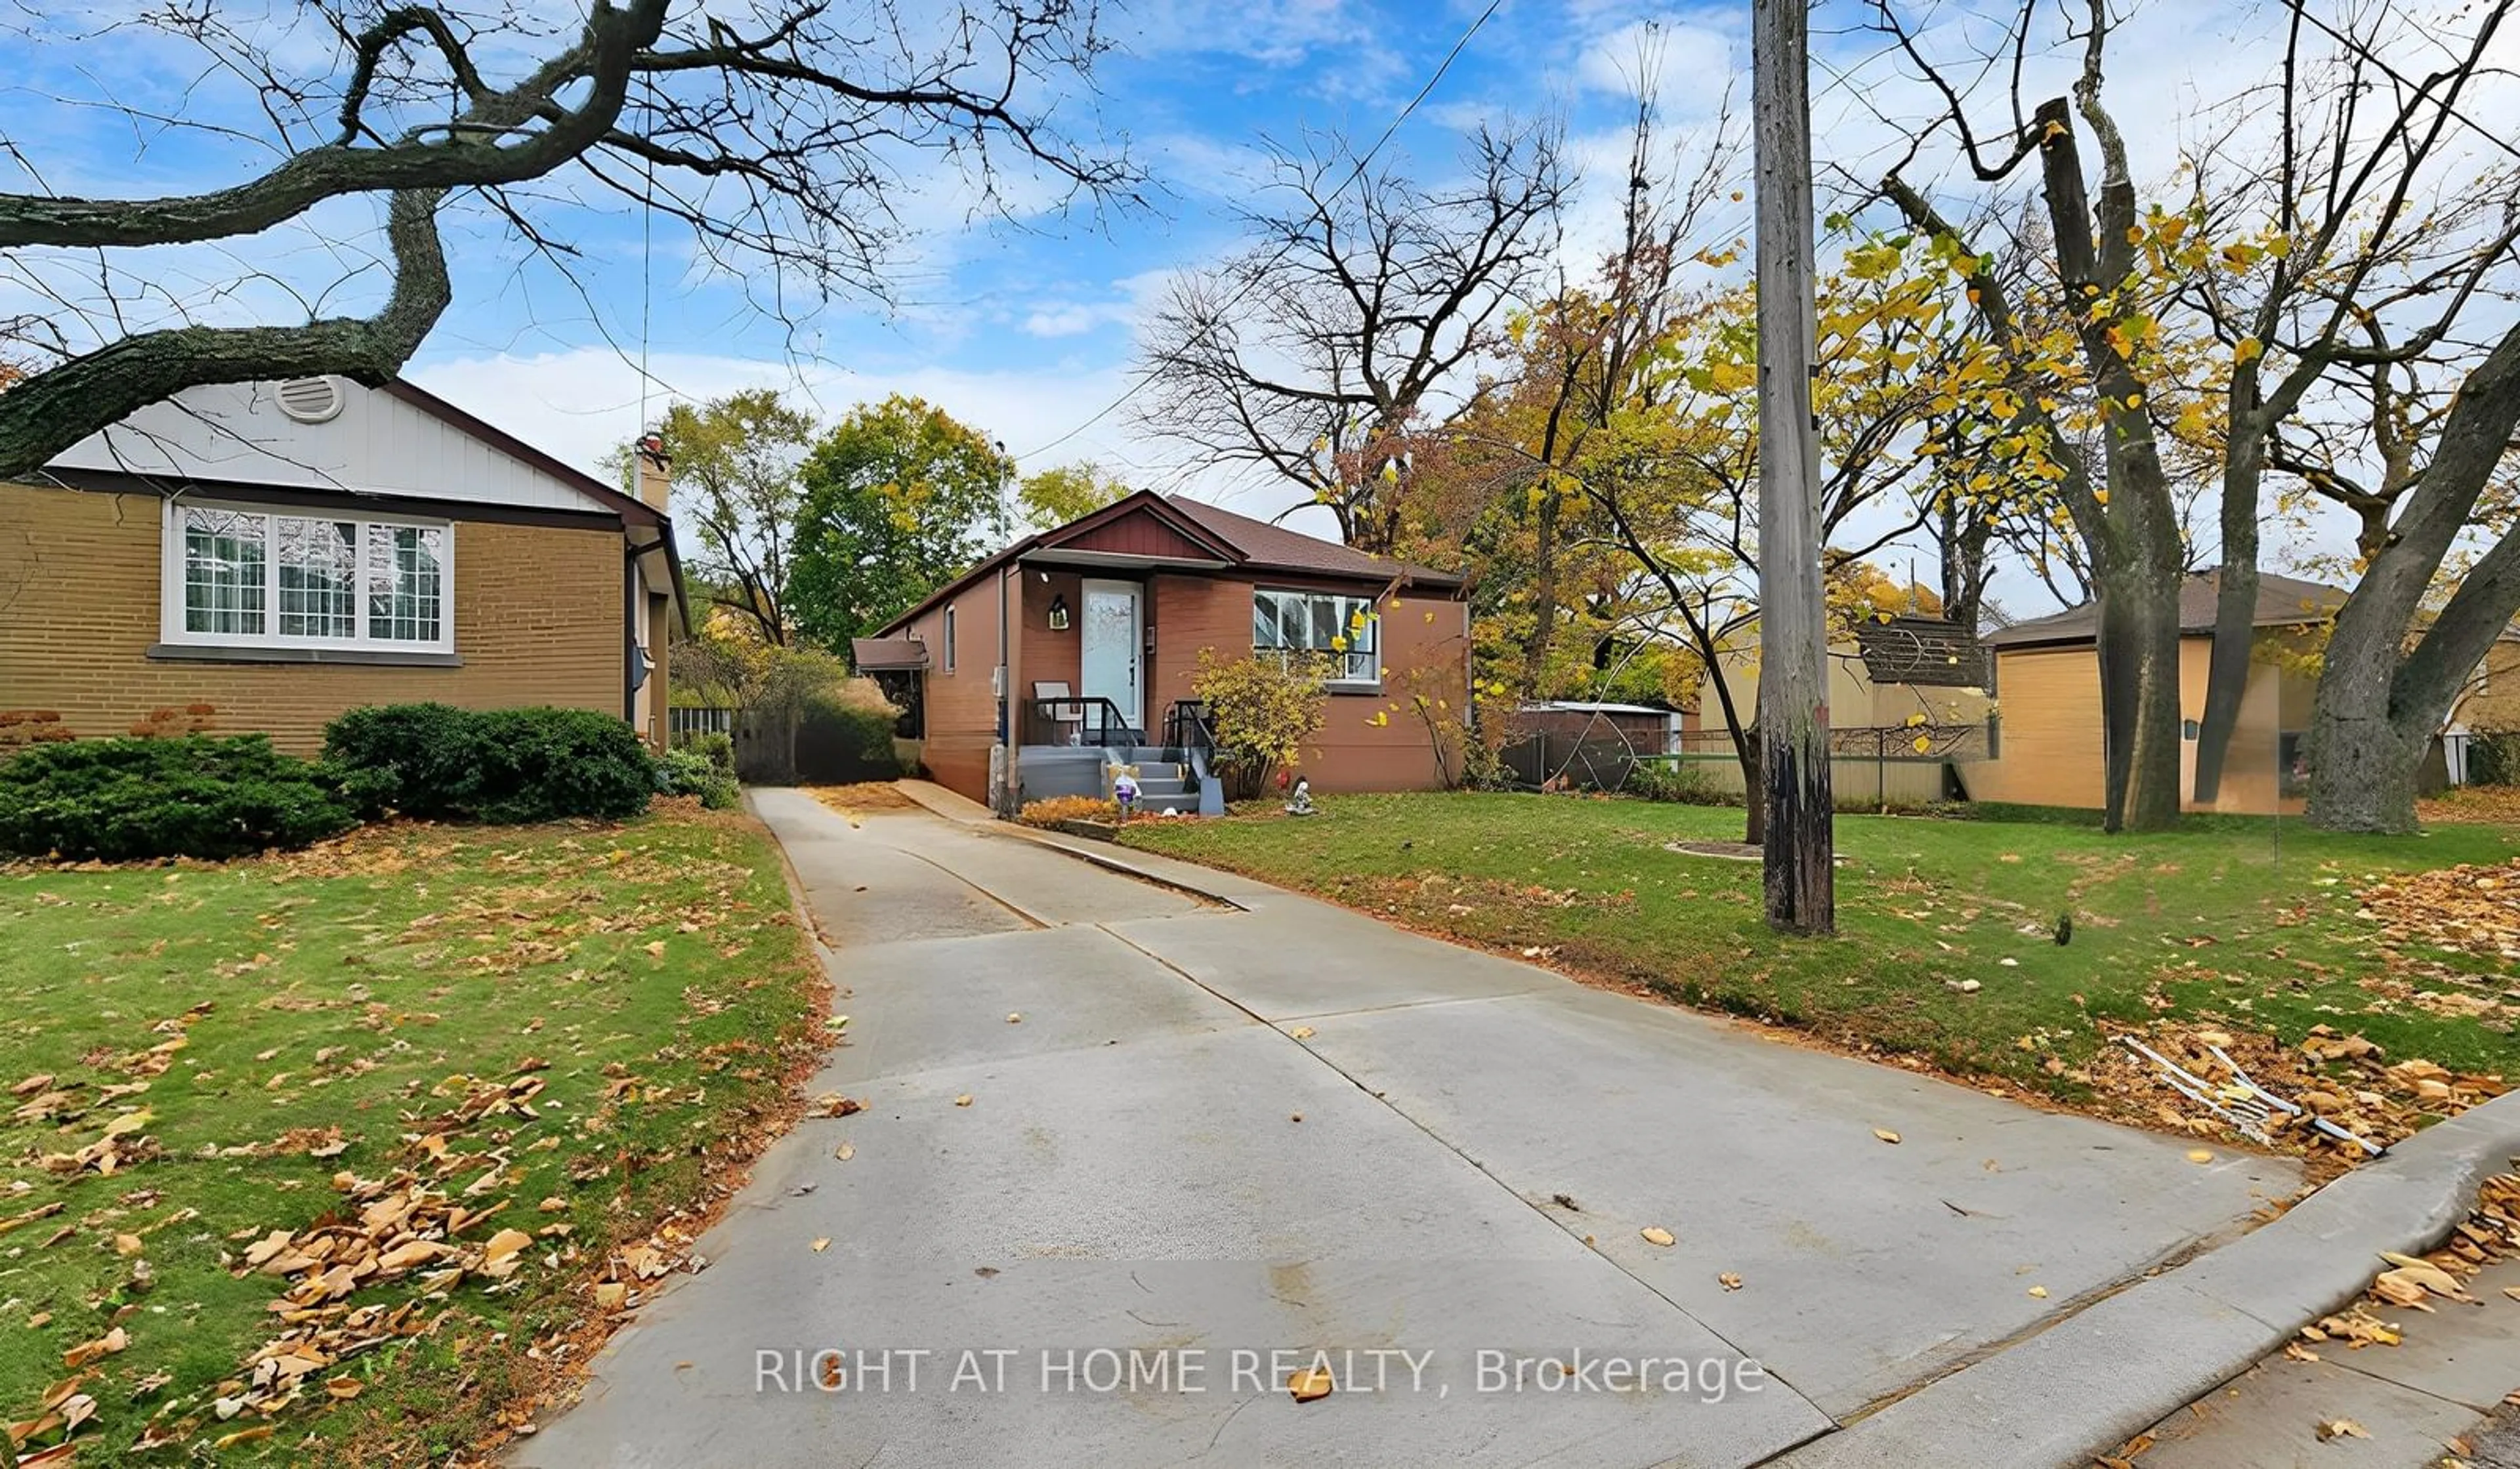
pixel 656 469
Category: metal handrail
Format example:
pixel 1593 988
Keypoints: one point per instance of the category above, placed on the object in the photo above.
pixel 1107 729
pixel 1187 725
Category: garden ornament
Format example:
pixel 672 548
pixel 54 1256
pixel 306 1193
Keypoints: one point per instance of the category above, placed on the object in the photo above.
pixel 1302 805
pixel 1124 788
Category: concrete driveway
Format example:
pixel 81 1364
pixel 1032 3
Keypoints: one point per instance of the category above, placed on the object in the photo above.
pixel 1222 1139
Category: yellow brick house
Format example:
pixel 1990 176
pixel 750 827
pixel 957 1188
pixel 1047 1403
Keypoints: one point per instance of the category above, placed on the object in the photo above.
pixel 281 552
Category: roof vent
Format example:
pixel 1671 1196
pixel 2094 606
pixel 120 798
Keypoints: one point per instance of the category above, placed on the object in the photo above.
pixel 310 400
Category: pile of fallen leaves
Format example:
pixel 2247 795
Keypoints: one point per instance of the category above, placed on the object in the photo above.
pixel 866 795
pixel 2343 1078
pixel 2471 907
pixel 2490 805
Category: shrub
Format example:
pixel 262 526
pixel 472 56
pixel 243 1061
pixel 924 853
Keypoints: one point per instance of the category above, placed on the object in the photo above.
pixel 688 772
pixel 504 766
pixel 1668 780
pixel 191 795
pixel 1263 711
pixel 717 748
pixel 1053 810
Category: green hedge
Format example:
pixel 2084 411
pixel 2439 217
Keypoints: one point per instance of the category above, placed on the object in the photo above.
pixel 503 766
pixel 690 772
pixel 205 796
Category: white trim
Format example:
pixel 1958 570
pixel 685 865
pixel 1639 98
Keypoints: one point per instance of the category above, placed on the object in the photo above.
pixel 170 579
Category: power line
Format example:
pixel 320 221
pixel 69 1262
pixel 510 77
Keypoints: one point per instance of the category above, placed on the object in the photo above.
pixel 1252 280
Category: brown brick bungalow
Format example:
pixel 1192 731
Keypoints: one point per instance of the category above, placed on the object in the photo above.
pixel 287 551
pixel 1089 635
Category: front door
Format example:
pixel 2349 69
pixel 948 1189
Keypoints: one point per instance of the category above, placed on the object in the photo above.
pixel 1109 649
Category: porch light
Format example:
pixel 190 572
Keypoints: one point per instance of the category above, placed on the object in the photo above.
pixel 1058 612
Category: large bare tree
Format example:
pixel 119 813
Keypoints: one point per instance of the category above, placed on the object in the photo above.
pixel 1318 352
pixel 2390 233
pixel 780 134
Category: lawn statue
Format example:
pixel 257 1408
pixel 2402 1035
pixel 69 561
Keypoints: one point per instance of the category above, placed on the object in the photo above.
pixel 1302 805
pixel 1124 788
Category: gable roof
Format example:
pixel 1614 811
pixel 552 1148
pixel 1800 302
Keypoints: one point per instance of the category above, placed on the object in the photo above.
pixel 1143 527
pixel 1275 548
pixel 395 446
pixel 2282 601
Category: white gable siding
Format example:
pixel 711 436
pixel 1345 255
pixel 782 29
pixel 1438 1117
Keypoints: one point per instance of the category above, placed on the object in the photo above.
pixel 377 444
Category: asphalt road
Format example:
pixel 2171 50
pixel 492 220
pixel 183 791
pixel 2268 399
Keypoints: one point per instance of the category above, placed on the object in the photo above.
pixel 1222 1139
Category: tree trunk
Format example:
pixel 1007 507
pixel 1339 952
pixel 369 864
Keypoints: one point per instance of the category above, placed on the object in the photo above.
pixel 2235 611
pixel 2152 794
pixel 2378 707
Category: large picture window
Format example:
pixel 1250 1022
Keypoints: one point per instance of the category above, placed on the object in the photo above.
pixel 1344 629
pixel 243 576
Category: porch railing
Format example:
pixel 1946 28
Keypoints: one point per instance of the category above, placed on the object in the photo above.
pixel 1080 720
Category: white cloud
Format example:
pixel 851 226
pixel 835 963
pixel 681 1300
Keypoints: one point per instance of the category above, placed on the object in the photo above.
pixel 1691 65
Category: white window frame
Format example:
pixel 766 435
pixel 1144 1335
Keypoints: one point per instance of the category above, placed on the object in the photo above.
pixel 1373 625
pixel 949 637
pixel 171 586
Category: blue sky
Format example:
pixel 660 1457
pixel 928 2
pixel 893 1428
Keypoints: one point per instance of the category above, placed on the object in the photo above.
pixel 1024 329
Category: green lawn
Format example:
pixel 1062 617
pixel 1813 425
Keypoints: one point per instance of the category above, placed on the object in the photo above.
pixel 2205 926
pixel 275 1046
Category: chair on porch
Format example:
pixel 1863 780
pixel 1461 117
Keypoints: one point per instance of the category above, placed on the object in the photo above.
pixel 1065 721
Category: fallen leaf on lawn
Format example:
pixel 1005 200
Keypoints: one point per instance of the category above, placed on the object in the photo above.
pixel 611 1294
pixel 822 1244
pixel 344 1388
pixel 59 1456
pixel 962 1100
pixel 2199 1155
pixel 1885 1134
pixel 833 1104
pixel 1656 1235
pixel 1729 1280
pixel 87 1352
pixel 2298 1352
pixel 2340 1428
pixel 1309 1384
pixel 32 1084
pixel 43 1318
pixel 504 1244
pixel 2039 1292
pixel 128 1245
pixel 245 1436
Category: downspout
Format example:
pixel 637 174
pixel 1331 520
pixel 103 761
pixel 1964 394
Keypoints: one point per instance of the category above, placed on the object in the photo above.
pixel 630 633
pixel 1007 791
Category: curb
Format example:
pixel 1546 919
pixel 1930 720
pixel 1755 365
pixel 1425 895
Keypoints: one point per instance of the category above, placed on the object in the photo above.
pixel 970 813
pixel 2096 1379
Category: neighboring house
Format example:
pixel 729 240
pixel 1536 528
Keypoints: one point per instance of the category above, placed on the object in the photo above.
pixel 1894 680
pixel 1091 632
pixel 284 551
pixel 2048 694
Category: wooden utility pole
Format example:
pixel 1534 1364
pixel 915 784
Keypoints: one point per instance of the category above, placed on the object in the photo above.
pixel 1793 651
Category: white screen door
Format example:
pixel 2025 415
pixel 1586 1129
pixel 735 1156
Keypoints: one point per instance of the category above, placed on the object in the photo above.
pixel 1109 652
